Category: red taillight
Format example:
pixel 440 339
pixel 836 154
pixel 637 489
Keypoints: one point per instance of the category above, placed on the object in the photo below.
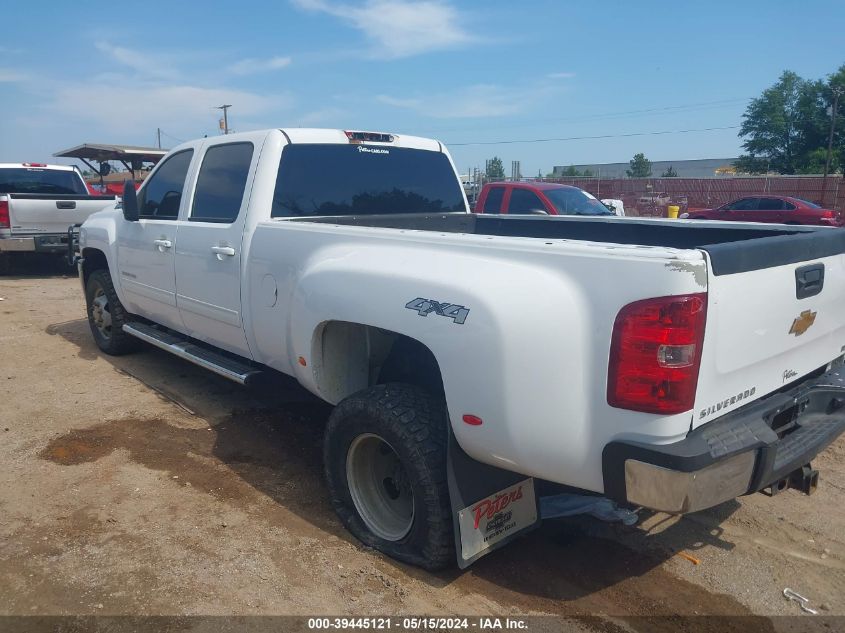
pixel 655 353
pixel 4 214
pixel 828 214
pixel 34 164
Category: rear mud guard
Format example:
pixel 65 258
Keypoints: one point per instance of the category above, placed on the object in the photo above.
pixel 490 506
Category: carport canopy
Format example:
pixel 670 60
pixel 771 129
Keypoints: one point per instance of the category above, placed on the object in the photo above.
pixel 132 156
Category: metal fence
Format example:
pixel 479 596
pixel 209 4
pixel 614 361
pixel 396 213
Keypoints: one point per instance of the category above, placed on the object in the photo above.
pixel 704 193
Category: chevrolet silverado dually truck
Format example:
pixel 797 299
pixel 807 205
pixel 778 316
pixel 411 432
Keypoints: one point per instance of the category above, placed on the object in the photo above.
pixel 37 203
pixel 688 362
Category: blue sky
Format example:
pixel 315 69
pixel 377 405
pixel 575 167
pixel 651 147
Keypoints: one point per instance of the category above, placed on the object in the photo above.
pixel 463 72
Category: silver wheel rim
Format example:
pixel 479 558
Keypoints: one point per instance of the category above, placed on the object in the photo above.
pixel 100 314
pixel 380 488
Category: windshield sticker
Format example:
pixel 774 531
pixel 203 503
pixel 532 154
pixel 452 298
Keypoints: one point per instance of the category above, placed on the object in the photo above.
pixel 372 150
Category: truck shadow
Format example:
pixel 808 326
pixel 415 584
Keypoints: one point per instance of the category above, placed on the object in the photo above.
pixel 270 438
pixel 27 266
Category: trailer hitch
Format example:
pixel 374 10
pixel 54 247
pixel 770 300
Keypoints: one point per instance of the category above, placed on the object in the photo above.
pixel 805 479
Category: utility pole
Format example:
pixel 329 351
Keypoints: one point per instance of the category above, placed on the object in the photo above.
pixel 225 107
pixel 158 135
pixel 837 92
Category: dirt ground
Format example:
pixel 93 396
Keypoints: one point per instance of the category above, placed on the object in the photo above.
pixel 143 485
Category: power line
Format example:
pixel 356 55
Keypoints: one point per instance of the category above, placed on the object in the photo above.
pixel 171 136
pixel 689 107
pixel 599 136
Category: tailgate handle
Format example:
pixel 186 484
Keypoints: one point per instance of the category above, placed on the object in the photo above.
pixel 809 280
pixel 65 204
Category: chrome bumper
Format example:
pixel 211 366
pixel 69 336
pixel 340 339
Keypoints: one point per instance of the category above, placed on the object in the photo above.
pixel 766 443
pixel 678 492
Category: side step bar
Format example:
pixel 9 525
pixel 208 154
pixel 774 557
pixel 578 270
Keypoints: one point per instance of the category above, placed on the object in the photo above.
pixel 222 365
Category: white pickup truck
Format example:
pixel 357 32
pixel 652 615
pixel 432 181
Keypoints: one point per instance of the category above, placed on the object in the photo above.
pixel 476 359
pixel 37 203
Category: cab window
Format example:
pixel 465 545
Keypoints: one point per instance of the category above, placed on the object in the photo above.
pixel 221 183
pixel 493 203
pixel 161 195
pixel 524 201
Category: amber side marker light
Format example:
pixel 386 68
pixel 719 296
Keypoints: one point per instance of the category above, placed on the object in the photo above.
pixel 301 361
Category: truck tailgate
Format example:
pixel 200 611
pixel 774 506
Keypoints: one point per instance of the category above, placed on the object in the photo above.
pixel 772 319
pixel 38 213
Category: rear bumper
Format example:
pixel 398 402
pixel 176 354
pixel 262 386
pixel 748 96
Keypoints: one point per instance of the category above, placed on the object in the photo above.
pixel 50 243
pixel 742 452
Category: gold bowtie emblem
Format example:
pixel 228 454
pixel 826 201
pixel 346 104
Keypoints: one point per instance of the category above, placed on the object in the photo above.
pixel 803 322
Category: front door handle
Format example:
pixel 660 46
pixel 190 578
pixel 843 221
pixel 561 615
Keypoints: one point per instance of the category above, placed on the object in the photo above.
pixel 162 245
pixel 223 251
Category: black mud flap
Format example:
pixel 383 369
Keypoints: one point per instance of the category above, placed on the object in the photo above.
pixel 490 506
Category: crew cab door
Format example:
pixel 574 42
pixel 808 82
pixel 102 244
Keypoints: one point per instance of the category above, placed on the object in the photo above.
pixel 145 248
pixel 209 252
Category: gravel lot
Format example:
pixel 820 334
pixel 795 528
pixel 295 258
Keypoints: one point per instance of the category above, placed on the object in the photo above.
pixel 143 485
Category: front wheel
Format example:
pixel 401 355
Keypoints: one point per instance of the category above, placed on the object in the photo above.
pixel 385 461
pixel 106 315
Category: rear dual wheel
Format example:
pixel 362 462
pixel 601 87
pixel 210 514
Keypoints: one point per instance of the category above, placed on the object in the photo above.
pixel 385 460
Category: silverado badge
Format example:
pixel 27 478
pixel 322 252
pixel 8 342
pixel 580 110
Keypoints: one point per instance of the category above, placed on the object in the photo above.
pixel 803 322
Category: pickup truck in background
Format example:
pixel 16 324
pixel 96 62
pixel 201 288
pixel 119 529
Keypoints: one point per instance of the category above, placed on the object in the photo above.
pixel 37 203
pixel 695 362
pixel 538 198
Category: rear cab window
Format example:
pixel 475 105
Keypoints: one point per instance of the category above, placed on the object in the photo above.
pixel 493 202
pixel 36 180
pixel 328 179
pixel 221 183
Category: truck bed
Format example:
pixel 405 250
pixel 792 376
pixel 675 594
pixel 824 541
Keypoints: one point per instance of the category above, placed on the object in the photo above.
pixel 732 247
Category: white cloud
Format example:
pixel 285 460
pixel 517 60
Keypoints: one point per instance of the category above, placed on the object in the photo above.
pixel 8 76
pixel 561 75
pixel 109 110
pixel 478 101
pixel 142 62
pixel 399 28
pixel 254 66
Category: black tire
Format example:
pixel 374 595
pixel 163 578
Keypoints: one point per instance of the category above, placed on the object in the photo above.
pixel 110 339
pixel 413 423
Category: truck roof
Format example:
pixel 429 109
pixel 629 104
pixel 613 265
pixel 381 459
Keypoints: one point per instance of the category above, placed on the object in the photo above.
pixel 37 166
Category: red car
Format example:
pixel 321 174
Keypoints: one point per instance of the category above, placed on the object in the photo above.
pixel 537 198
pixel 774 209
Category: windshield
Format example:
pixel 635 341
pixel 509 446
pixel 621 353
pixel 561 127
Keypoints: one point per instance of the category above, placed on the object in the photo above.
pixel 43 181
pixel 575 202
pixel 322 179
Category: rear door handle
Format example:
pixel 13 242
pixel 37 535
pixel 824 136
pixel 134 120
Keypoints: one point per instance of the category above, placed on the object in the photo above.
pixel 65 204
pixel 162 245
pixel 223 251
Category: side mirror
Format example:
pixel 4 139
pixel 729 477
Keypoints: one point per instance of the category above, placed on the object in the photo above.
pixel 130 202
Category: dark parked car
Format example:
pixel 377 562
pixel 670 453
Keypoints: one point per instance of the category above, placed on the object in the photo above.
pixel 538 198
pixel 773 209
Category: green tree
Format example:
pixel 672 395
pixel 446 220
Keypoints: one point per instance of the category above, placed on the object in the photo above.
pixel 495 169
pixel 669 173
pixel 783 126
pixel 587 173
pixel 640 167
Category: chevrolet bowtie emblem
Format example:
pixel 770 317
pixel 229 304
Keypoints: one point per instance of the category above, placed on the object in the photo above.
pixel 802 323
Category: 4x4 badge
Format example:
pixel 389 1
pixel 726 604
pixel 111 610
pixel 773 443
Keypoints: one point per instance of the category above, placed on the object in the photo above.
pixel 803 322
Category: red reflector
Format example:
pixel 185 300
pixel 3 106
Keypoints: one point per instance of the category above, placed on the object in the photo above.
pixel 655 354
pixel 34 164
pixel 4 214
pixel 472 420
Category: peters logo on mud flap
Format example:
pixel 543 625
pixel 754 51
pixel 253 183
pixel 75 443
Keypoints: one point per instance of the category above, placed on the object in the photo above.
pixel 502 514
